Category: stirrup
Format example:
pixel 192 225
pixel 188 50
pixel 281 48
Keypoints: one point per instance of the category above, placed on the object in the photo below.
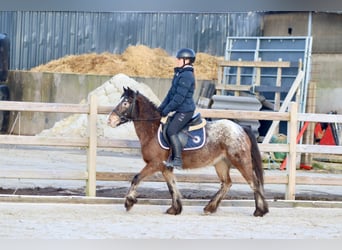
pixel 175 163
pixel 168 164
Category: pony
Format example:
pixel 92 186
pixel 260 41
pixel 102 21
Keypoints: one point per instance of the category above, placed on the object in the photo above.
pixel 227 145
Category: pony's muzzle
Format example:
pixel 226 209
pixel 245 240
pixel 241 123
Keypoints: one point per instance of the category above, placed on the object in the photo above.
pixel 113 120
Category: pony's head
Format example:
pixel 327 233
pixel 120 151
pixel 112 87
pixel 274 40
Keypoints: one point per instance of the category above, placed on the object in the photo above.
pixel 123 112
pixel 132 107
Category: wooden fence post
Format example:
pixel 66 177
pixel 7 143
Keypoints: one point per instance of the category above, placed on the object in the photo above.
pixel 291 162
pixel 92 147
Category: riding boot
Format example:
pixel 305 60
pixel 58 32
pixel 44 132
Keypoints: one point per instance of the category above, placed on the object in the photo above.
pixel 176 148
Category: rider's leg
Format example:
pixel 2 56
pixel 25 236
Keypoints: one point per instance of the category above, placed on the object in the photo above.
pixel 178 122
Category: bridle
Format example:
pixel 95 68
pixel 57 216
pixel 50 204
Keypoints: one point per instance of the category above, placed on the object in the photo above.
pixel 128 115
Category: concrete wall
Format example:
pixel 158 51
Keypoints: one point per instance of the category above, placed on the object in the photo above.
pixel 280 23
pixel 327 73
pixel 46 87
pixel 61 88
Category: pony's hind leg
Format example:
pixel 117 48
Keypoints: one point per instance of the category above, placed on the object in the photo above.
pixel 222 169
pixel 246 170
pixel 261 206
pixel 176 207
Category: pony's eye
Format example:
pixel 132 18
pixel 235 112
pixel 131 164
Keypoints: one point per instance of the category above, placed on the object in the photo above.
pixel 125 104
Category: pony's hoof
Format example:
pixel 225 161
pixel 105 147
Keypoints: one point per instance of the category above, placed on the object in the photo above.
pixel 260 213
pixel 130 202
pixel 209 209
pixel 174 211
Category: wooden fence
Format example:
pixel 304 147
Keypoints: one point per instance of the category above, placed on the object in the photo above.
pixel 93 142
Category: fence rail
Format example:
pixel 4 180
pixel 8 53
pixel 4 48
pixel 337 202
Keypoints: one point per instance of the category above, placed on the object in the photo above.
pixel 93 142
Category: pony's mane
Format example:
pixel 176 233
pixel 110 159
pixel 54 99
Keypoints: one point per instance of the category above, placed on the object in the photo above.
pixel 148 100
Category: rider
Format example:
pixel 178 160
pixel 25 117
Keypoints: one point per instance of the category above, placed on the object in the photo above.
pixel 179 99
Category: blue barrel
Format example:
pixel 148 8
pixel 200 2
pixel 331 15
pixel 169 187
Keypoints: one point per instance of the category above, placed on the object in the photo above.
pixel 4 56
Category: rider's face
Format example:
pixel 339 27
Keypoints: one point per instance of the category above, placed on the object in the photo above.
pixel 180 62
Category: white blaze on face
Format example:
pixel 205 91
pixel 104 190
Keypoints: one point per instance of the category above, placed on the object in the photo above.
pixel 113 120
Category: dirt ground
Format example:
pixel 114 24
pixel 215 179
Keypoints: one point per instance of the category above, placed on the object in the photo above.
pixel 81 221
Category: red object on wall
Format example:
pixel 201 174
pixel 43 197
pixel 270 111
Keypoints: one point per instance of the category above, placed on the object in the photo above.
pixel 324 136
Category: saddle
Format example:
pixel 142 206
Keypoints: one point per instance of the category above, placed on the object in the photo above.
pixel 192 136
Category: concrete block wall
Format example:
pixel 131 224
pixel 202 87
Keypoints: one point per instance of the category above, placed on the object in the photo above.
pixel 60 88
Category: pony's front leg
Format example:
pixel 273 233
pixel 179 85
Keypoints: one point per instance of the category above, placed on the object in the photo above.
pixel 176 207
pixel 131 197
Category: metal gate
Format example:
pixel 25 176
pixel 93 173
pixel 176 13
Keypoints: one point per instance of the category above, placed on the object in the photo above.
pixel 296 50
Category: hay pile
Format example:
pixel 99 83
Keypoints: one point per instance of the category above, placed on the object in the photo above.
pixel 135 61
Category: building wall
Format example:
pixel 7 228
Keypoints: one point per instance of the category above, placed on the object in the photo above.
pixel 280 23
pixel 327 33
pixel 326 28
pixel 326 72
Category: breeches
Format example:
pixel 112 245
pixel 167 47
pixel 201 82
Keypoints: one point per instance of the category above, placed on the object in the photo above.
pixel 179 120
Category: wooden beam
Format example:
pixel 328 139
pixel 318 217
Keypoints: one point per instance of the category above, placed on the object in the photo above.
pixel 291 162
pixel 91 149
pixel 43 174
pixel 233 87
pixel 43 141
pixel 117 143
pixel 185 178
pixel 44 107
pixel 212 178
pixel 329 118
pixel 278 84
pixel 266 64
pixel 322 149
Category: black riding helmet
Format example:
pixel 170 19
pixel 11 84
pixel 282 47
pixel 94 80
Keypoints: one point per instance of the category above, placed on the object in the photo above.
pixel 186 53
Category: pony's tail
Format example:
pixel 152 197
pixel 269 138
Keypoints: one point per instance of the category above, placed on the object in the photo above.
pixel 256 156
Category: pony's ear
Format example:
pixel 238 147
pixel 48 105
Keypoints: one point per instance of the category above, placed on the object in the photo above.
pixel 124 89
pixel 129 91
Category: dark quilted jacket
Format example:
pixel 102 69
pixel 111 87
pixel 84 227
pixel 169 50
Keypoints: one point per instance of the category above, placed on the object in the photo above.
pixel 180 96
